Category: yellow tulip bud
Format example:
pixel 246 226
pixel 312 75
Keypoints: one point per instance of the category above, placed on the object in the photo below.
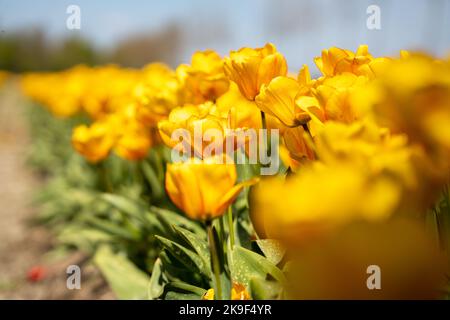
pixel 203 189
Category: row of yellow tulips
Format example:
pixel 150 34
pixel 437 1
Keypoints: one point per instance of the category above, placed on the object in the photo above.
pixel 367 142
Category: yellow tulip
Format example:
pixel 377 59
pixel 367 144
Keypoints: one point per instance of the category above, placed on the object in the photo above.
pixel 157 93
pixel 295 142
pixel 59 92
pixel 335 61
pixel 204 80
pixel 94 142
pixel 331 99
pixel 133 142
pixel 203 189
pixel 196 120
pixel 251 68
pixel 278 99
pixel 242 113
pixel 108 88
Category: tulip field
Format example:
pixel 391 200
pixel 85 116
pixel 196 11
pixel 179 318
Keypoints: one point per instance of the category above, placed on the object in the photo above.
pixel 236 177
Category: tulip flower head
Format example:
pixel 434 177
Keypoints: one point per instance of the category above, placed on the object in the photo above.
pixel 251 68
pixel 203 189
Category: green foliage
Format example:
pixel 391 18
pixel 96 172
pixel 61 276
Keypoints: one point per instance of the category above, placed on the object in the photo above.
pixel 127 281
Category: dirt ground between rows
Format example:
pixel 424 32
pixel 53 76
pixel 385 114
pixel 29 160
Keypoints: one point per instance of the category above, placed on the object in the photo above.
pixel 22 244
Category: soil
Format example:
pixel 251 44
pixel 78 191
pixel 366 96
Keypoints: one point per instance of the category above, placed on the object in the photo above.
pixel 26 270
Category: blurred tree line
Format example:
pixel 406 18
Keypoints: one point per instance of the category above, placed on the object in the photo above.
pixel 23 51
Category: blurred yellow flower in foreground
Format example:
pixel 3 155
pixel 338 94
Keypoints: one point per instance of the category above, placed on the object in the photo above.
pixel 347 263
pixel 319 199
pixel 94 142
pixel 412 95
pixel 251 68
pixel 203 189
pixel 363 173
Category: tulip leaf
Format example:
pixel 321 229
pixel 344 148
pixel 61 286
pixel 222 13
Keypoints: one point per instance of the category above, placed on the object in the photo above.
pixel 158 281
pixel 187 257
pixel 112 228
pixel 126 281
pixel 197 243
pixel 83 238
pixel 170 218
pixel 264 289
pixel 247 265
pixel 172 295
pixel 124 204
pixel 182 290
pixel 152 178
pixel 273 250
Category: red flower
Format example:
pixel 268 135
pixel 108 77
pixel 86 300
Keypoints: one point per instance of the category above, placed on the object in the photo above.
pixel 36 273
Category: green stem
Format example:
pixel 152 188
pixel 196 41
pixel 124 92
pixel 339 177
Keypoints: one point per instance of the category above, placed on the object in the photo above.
pixel 230 225
pixel 439 229
pixel 264 126
pixel 215 263
pixel 104 178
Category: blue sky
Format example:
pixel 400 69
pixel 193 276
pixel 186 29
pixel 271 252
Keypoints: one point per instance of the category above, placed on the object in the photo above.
pixel 300 29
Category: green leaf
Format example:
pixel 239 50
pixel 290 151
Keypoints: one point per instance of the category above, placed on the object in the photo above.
pixel 172 295
pixel 158 281
pixel 197 243
pixel 247 265
pixel 112 228
pixel 189 258
pixel 264 290
pixel 273 250
pixel 127 281
pixel 170 218
pixel 83 238
pixel 130 207
pixel 152 178
pixel 179 290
